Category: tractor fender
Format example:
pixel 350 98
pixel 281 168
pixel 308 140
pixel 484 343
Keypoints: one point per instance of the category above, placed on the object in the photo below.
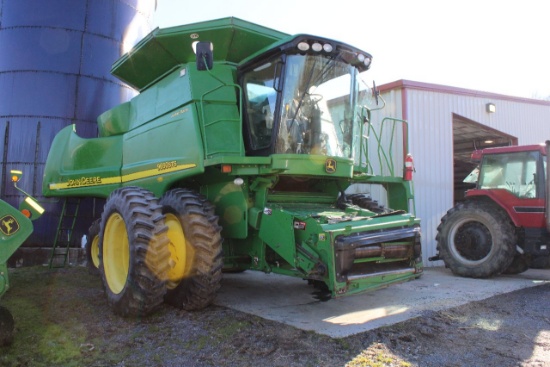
pixel 508 202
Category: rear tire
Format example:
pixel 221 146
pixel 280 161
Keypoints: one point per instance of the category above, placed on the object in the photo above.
pixel 519 265
pixel 476 239
pixel 133 252
pixel 92 247
pixel 195 248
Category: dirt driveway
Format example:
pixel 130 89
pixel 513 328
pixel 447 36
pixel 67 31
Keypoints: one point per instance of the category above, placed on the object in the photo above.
pixel 62 319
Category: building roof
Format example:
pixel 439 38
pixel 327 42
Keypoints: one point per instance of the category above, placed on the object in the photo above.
pixel 429 87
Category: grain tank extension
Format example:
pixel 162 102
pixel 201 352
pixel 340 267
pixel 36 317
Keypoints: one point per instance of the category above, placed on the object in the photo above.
pixel 238 154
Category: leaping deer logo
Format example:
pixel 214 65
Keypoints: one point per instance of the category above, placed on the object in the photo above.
pixel 8 225
pixel 330 165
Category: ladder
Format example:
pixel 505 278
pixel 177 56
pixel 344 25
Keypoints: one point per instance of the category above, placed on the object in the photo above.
pixel 62 241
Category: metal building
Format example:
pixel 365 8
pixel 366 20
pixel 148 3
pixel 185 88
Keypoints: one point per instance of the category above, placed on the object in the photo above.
pixel 54 71
pixel 445 125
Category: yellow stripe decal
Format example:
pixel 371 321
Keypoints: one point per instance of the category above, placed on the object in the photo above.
pixel 155 172
pixel 162 168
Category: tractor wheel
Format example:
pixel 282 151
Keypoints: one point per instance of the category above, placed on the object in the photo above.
pixel 92 248
pixel 134 254
pixel 7 326
pixel 195 249
pixel 476 239
pixel 519 265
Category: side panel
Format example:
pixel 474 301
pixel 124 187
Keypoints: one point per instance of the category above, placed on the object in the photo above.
pixel 166 150
pixel 164 97
pixel 277 232
pixel 231 205
pixel 218 110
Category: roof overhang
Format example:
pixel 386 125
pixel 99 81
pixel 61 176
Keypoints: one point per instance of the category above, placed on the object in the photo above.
pixel 162 50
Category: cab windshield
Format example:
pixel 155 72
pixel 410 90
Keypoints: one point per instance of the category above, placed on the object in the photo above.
pixel 302 104
pixel 515 172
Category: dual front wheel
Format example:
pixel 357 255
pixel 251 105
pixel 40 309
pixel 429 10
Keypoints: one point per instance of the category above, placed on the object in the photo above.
pixel 151 250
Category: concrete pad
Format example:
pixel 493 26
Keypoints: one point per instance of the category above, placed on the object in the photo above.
pixel 290 301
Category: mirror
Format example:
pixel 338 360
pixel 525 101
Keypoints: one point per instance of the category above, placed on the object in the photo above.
pixel 375 92
pixel 205 58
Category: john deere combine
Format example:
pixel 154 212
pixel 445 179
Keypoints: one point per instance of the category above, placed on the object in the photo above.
pixel 238 154
pixel 15 227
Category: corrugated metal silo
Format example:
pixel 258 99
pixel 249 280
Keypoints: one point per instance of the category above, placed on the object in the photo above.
pixel 55 57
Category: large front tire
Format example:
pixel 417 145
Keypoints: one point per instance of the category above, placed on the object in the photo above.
pixel 476 240
pixel 195 248
pixel 134 252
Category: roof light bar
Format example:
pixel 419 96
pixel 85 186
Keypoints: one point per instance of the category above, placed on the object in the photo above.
pixel 311 45
pixel 314 46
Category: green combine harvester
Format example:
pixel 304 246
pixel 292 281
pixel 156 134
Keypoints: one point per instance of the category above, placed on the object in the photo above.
pixel 239 153
pixel 15 227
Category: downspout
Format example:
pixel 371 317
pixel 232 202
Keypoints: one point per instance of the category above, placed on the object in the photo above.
pixel 547 189
pixel 404 116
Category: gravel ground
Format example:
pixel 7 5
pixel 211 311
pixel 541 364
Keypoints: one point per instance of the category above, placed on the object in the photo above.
pixel 62 319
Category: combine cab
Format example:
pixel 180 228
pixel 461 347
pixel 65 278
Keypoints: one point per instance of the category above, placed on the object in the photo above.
pixel 240 153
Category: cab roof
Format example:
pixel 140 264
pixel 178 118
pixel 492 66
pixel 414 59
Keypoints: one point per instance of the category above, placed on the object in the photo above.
pixel 162 50
pixel 478 154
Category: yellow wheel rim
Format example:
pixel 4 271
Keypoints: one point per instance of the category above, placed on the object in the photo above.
pixel 178 250
pixel 94 251
pixel 116 253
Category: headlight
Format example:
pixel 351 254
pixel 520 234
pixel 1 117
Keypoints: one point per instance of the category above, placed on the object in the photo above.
pixel 303 46
pixel 317 47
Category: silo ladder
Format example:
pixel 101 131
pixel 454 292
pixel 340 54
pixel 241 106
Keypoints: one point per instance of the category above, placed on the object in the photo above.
pixel 62 241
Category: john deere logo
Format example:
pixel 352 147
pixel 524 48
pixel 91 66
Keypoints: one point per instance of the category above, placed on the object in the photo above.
pixel 8 225
pixel 330 165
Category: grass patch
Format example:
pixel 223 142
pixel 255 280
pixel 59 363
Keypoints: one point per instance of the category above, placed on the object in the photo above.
pixel 46 331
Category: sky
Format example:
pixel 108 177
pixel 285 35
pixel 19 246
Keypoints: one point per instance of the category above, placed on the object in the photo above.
pixel 498 46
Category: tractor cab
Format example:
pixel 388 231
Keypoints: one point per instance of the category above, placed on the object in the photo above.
pixel 503 226
pixel 514 178
pixel 520 172
pixel 301 97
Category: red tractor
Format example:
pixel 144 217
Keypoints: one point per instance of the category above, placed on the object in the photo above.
pixel 502 226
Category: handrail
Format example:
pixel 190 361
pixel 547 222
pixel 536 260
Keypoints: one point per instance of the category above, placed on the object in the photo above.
pixel 385 156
